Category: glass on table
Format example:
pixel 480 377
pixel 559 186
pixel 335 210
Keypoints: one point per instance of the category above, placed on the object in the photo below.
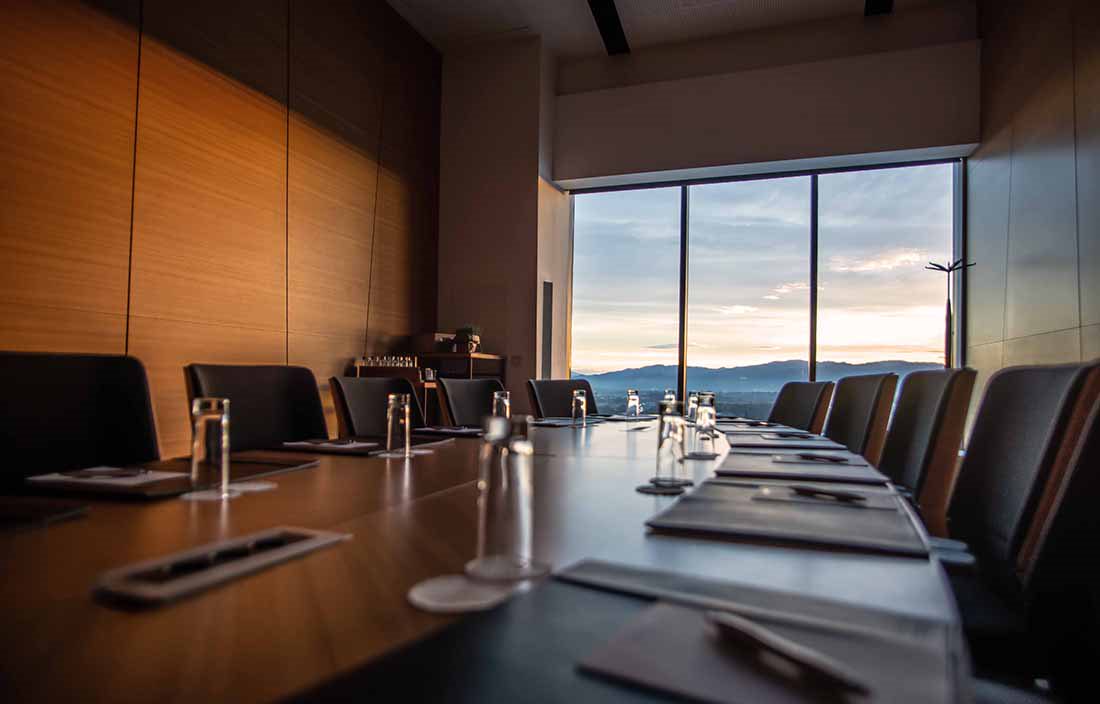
pixel 504 526
pixel 669 395
pixel 692 406
pixel 502 404
pixel 706 416
pixel 580 407
pixel 633 403
pixel 504 559
pixel 670 451
pixel 399 428
pixel 203 412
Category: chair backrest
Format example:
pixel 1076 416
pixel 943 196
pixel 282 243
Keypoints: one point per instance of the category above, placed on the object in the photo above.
pixel 802 404
pixel 469 400
pixel 553 398
pixel 1014 444
pixel 1062 582
pixel 860 413
pixel 269 404
pixel 71 411
pixel 361 404
pixel 922 445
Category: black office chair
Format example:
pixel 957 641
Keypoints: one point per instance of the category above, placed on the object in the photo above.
pixel 1018 446
pixel 1062 581
pixel 802 405
pixel 71 411
pixel 361 404
pixel 469 400
pixel 553 398
pixel 860 413
pixel 921 454
pixel 269 404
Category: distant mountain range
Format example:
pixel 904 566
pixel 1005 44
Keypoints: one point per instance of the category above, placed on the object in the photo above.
pixel 758 377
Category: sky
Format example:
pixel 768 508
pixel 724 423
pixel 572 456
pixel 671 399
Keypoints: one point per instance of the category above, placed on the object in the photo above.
pixel 748 279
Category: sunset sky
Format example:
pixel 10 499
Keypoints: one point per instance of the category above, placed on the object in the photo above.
pixel 749 271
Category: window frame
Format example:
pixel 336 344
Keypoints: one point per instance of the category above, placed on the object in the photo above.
pixel 958 215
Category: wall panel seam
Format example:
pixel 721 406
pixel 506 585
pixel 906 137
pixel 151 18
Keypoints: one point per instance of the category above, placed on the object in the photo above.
pixel 133 181
pixel 1076 185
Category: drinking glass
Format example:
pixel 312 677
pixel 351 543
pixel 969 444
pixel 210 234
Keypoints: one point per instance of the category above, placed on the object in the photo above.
pixel 633 403
pixel 203 411
pixel 504 517
pixel 692 406
pixel 706 416
pixel 670 395
pixel 502 404
pixel 399 428
pixel 670 450
pixel 580 407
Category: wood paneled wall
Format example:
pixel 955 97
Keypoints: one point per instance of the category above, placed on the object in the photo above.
pixel 1033 221
pixel 203 181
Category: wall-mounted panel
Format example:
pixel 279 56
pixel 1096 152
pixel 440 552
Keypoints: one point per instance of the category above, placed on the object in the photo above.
pixel 1042 239
pixel 1040 70
pixel 210 192
pixel 988 188
pixel 336 93
pixel 1086 41
pixel 403 284
pixel 166 346
pixel 68 79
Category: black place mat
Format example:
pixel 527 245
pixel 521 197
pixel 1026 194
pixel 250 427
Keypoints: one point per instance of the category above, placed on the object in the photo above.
pixel 673 649
pixel 245 466
pixel 765 466
pixel 769 439
pixel 23 512
pixel 734 510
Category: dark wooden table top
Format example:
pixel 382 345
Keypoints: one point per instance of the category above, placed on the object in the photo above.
pixel 297 624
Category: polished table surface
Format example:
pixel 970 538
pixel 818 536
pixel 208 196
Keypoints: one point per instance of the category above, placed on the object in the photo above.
pixel 289 627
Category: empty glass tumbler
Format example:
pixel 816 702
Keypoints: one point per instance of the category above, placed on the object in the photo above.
pixel 706 416
pixel 502 404
pixel 580 407
pixel 505 518
pixel 204 411
pixel 670 450
pixel 398 426
pixel 633 403
pixel 669 395
pixel 692 406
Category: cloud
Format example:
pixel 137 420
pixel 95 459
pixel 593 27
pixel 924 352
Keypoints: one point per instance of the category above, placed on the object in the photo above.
pixel 885 262
pixel 736 310
pixel 771 297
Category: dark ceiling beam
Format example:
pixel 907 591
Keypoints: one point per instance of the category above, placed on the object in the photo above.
pixel 878 7
pixel 611 27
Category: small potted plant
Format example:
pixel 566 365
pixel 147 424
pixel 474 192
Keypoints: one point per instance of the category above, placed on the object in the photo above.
pixel 467 339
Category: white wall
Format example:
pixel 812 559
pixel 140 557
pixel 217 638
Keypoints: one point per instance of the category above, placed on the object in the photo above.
pixel 914 99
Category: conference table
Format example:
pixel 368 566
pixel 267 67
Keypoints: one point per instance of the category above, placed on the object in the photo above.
pixel 292 627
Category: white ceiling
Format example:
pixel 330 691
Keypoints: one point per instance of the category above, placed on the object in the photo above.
pixel 568 30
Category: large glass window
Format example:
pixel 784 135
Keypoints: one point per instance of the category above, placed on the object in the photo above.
pixel 879 309
pixel 750 285
pixel 626 293
pixel 748 290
